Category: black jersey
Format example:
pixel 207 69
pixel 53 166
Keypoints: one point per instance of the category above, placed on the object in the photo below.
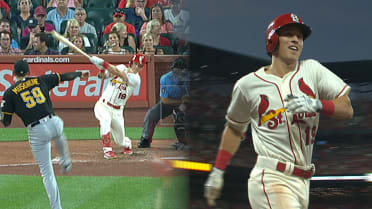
pixel 29 98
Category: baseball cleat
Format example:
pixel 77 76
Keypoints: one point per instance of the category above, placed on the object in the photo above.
pixel 109 155
pixel 144 143
pixel 66 167
pixel 128 151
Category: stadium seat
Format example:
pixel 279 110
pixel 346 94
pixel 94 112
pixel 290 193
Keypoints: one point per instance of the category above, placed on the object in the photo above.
pixel 52 42
pixel 36 3
pixel 23 42
pixel 13 28
pixel 63 27
pixel 99 15
pixel 93 42
pixel 166 49
pixel 65 50
pixel 49 9
pixel 170 37
pixel 101 4
pixel 3 13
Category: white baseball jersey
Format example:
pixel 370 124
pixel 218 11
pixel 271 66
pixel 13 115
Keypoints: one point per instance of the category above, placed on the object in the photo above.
pixel 117 92
pixel 287 137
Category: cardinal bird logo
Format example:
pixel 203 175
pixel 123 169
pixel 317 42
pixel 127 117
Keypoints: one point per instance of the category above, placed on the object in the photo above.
pixel 262 107
pixel 305 88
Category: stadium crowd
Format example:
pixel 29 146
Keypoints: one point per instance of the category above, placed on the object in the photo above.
pixel 96 26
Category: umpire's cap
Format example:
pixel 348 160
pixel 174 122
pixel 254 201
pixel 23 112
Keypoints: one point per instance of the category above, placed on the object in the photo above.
pixel 21 68
pixel 179 63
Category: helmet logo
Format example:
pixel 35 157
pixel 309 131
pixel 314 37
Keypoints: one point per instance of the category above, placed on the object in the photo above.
pixel 295 18
pixel 140 59
pixel 271 34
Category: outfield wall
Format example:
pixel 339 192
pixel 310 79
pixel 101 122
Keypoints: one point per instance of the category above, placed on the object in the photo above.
pixel 74 100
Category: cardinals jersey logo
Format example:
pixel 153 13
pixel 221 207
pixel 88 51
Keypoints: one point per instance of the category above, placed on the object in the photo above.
pixel 305 88
pixel 263 106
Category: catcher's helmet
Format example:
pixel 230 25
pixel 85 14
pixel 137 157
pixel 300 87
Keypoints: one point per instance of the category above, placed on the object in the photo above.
pixel 180 63
pixel 272 37
pixel 138 58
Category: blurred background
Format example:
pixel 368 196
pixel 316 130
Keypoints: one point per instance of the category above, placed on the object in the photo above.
pixel 228 42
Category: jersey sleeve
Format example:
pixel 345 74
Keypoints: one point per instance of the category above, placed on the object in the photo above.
pixel 163 87
pixel 51 80
pixel 133 80
pixel 330 86
pixel 238 112
pixel 7 106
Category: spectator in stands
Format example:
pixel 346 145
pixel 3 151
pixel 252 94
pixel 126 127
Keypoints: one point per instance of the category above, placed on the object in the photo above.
pixel 125 39
pixel 148 45
pixel 138 15
pixel 70 4
pixel 40 15
pixel 24 7
pixel 157 12
pixel 79 42
pixel 5 25
pixel 6 48
pixel 178 17
pixel 119 16
pixel 72 29
pixel 154 28
pixel 112 44
pixel 34 28
pixel 40 45
pixel 149 3
pixel 81 16
pixel 5 5
pixel 59 14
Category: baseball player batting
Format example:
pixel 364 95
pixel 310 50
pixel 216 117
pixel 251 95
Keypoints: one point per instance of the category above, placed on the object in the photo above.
pixel 29 99
pixel 284 144
pixel 109 108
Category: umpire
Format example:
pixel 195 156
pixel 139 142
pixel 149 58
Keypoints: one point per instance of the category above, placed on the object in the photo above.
pixel 29 99
pixel 173 87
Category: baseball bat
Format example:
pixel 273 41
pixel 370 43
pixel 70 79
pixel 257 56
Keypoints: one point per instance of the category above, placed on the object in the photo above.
pixel 64 40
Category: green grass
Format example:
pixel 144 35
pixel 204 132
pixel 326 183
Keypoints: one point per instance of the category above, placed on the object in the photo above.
pixel 85 192
pixel 20 134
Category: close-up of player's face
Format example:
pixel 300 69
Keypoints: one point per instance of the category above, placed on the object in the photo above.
pixel 291 43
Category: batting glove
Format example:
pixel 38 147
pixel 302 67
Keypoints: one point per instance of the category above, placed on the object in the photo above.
pixel 213 186
pixel 298 104
pixel 1 115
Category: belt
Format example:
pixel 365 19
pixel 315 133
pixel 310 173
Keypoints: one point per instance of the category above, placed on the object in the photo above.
pixel 296 171
pixel 32 124
pixel 112 105
pixel 287 168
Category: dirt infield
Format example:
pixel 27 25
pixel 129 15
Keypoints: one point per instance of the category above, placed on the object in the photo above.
pixel 16 158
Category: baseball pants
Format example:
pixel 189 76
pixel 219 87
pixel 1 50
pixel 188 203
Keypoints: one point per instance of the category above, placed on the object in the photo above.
pixel 159 111
pixel 40 137
pixel 111 120
pixel 273 189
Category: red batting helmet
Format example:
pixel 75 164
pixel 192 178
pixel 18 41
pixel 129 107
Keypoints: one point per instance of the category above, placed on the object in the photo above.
pixel 272 37
pixel 138 58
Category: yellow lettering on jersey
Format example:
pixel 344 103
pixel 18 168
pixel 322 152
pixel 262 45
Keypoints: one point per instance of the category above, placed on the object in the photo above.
pixel 119 82
pixel 271 115
pixel 24 85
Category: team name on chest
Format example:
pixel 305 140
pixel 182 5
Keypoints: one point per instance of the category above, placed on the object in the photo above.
pixel 301 117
